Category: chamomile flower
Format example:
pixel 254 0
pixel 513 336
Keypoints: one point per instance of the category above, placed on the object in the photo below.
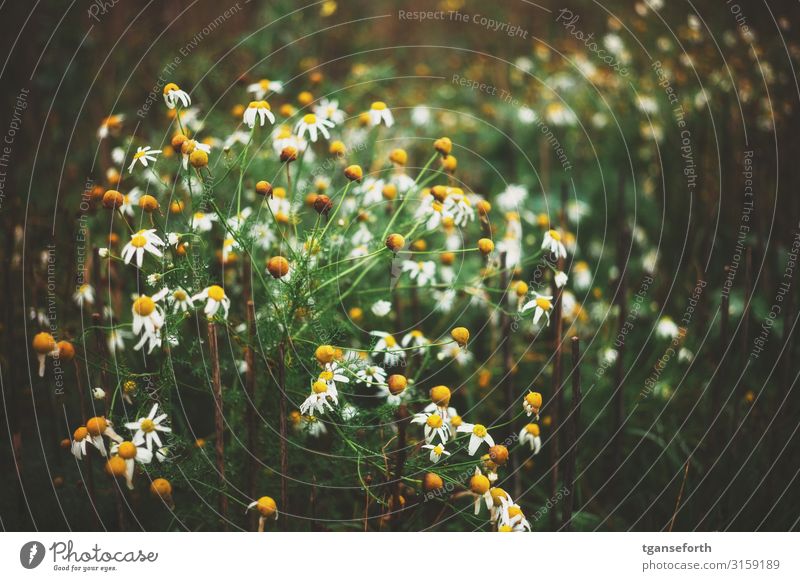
pixel 330 110
pixel 181 301
pixel 667 329
pixel 552 243
pixel 454 351
pixel 532 403
pixel 543 304
pixel 387 345
pixel 332 374
pixel 478 435
pixel 435 426
pixel 215 298
pixel 510 517
pixel 313 124
pixel 84 294
pixel 480 487
pixel 437 452
pixel 424 272
pixel 530 435
pixel 110 124
pixel 322 394
pixel 258 112
pixel 143 155
pixel 147 428
pixel 79 440
pixel 264 86
pixel 415 339
pixel 380 113
pixel 98 427
pixel 174 95
pixel 372 375
pixel 131 453
pixel 148 318
pixel 581 276
pixel 267 510
pixel 560 279
pixel 189 146
pixel 511 199
pixel 141 242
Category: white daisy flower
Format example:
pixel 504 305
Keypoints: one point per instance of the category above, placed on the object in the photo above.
pixel 181 301
pixel 174 95
pixel 435 426
pixel 388 347
pixel 83 294
pixel 543 305
pixel 187 149
pixel 141 242
pixel 415 339
pixel 552 243
pixel 332 374
pixel 258 112
pixel 380 113
pixel 454 351
pixel 329 109
pixel 215 297
pixel 131 453
pixel 372 375
pixel 560 279
pixel 423 272
pixel 479 434
pixel 530 435
pixel 312 124
pixel 666 328
pixel 147 428
pixel 148 318
pixel 437 452
pixel 143 155
pixel 381 308
pixel 322 393
pixel 264 86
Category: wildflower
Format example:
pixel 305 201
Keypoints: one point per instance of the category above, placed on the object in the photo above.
pixel 148 319
pixel 560 279
pixel 98 427
pixel 174 95
pixel 431 482
pixel 479 485
pixel 98 393
pixel 552 242
pixel 530 435
pixel 278 266
pixel 131 453
pixel 354 173
pixel 437 452
pixel 395 242
pixel 392 352
pixel 667 329
pixel 79 438
pixel 422 272
pixel 83 294
pixel 331 374
pixel 543 305
pixel 141 242
pixel 372 375
pixel 511 198
pixel 435 426
pixel 181 301
pixel 510 517
pixel 214 297
pixel 258 111
pixel 532 403
pixel 162 488
pixel 44 344
pixel 479 434
pixel 267 510
pixel 415 339
pixel 147 428
pixel 581 276
pixel 324 354
pixel 321 393
pixel 378 113
pixel 454 351
pixel 443 145
pixel 329 109
pixel 111 124
pixel 264 86
pixel 143 155
pixel 460 335
pixel 312 124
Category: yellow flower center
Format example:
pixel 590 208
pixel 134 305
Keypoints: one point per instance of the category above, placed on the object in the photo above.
pixel 544 304
pixel 532 429
pixel 326 375
pixel 264 83
pixel 438 449
pixel 138 241
pixel 319 387
pixel 456 421
pixel 378 106
pixel 505 529
pixel 139 154
pixel 169 87
pixel 555 235
pixel 416 333
pixel 253 105
pixel 390 341
pixel 216 293
pixel 264 105
pixel 514 511
pixel 143 306
pixel 434 421
pixel 127 450
pixel 147 425
pixel 310 119
pixel 179 295
pixel 479 430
